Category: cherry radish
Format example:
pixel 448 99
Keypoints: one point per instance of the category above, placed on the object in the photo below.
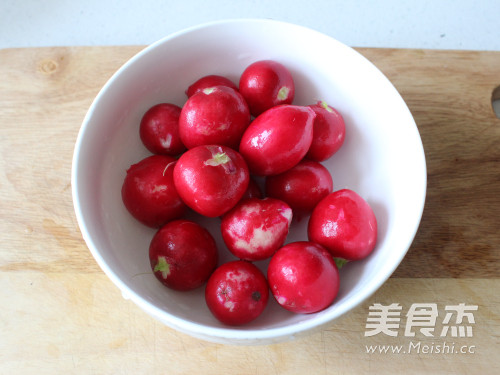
pixel 183 255
pixel 211 179
pixel 345 224
pixel 215 115
pixel 302 186
pixel 149 193
pixel 209 81
pixel 265 84
pixel 278 139
pixel 237 293
pixel 328 132
pixel 159 130
pixel 256 228
pixel 303 277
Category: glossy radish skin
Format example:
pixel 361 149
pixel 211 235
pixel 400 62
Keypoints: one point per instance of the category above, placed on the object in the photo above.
pixel 265 84
pixel 302 186
pixel 237 293
pixel 211 179
pixel 159 130
pixel 215 115
pixel 344 223
pixel 209 81
pixel 328 132
pixel 278 139
pixel 149 193
pixel 256 228
pixel 183 255
pixel 303 277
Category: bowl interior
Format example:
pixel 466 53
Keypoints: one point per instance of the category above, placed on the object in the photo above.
pixel 382 159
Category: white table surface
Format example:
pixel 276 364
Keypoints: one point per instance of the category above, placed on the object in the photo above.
pixel 435 24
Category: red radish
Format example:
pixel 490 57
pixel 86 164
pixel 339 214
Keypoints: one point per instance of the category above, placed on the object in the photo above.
pixel 302 186
pixel 256 228
pixel 328 132
pixel 149 193
pixel 209 81
pixel 211 179
pixel 215 115
pixel 278 139
pixel 183 255
pixel 265 84
pixel 159 129
pixel 303 277
pixel 344 223
pixel 237 292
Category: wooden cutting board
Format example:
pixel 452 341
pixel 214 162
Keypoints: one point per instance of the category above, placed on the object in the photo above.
pixel 60 313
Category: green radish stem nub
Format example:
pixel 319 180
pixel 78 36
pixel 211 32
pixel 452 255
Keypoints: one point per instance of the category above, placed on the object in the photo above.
pixel 283 93
pixel 208 90
pixel 163 267
pixel 325 106
pixel 340 262
pixel 218 159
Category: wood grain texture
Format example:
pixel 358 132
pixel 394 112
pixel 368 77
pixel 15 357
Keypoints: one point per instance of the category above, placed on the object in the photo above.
pixel 44 97
pixel 80 324
pixel 449 94
pixel 61 314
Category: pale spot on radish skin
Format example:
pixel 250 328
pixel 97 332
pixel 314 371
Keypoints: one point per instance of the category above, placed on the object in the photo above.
pixel 238 277
pixel 159 188
pixel 250 209
pixel 260 238
pixel 167 141
pixel 287 214
pixel 330 229
pixel 190 117
pixel 229 305
pixel 223 126
pixel 281 300
pixel 206 129
pixel 315 189
pixel 289 274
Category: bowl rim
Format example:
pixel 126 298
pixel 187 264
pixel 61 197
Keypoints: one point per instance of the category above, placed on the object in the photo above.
pixel 233 334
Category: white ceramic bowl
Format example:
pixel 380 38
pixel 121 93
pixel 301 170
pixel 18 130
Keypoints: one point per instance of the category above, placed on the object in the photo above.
pixel 382 159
